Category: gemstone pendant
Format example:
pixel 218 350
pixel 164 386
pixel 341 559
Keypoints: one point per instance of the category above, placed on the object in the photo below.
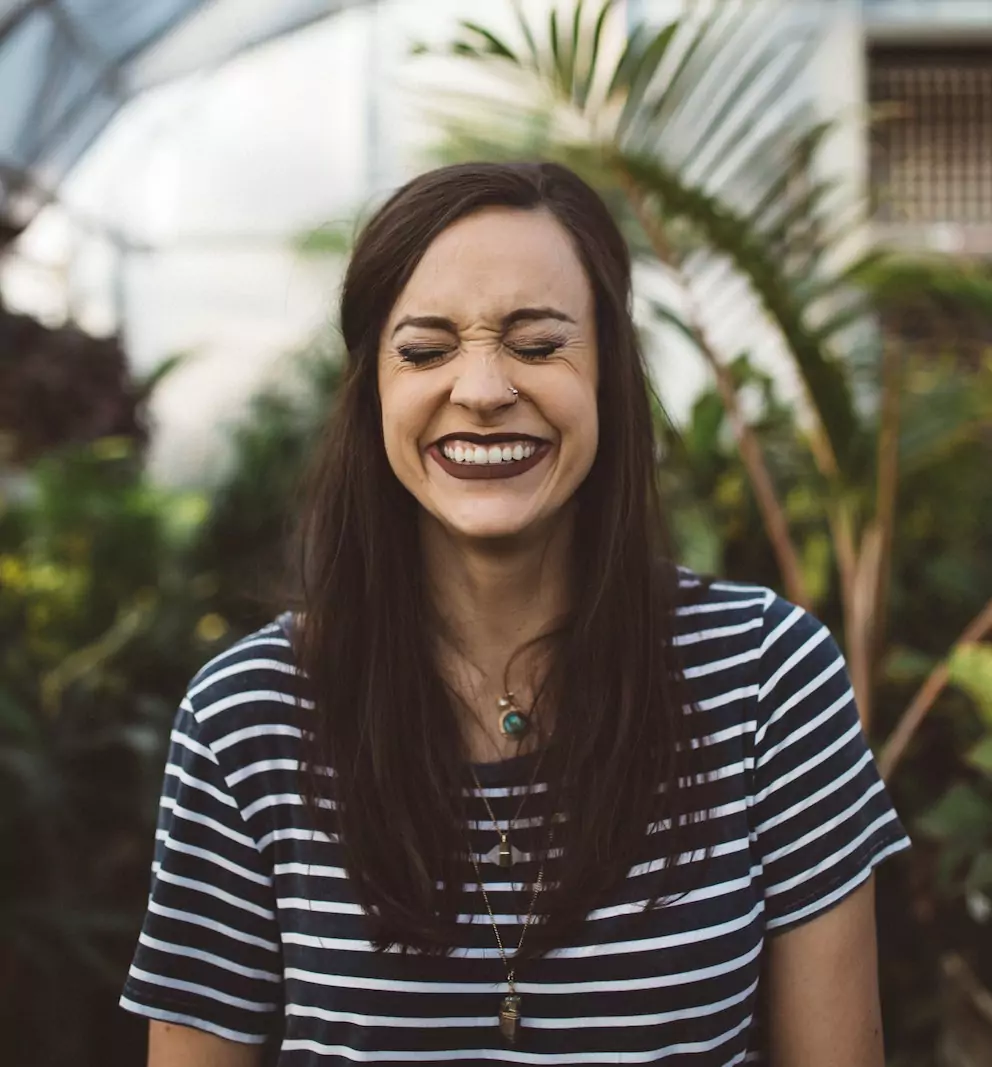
pixel 505 853
pixel 509 1017
pixel 513 723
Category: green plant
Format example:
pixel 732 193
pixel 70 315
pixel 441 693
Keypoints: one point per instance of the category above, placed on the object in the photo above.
pixel 113 592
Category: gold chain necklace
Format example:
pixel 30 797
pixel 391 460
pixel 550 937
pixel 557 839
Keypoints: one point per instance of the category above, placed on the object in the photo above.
pixel 509 1006
pixel 507 854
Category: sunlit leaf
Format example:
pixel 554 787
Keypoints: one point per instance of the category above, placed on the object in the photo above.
pixel 961 815
pixel 980 874
pixel 907 665
pixel 970 669
pixel 980 757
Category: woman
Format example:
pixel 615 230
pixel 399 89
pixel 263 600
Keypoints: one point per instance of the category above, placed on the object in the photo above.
pixel 510 787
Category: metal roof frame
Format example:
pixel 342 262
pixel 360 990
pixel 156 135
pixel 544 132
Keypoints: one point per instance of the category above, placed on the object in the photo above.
pixel 68 66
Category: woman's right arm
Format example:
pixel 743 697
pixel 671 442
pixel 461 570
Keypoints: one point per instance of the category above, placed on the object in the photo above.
pixel 170 1045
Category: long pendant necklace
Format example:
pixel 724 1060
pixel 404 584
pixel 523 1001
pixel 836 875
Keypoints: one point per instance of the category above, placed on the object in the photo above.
pixel 509 1006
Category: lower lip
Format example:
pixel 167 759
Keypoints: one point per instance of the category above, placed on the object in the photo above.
pixel 469 471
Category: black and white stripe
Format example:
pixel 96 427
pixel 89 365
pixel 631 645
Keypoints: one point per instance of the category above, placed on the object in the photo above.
pixel 254 933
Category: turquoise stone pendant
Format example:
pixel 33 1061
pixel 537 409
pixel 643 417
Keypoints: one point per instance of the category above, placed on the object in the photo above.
pixel 513 723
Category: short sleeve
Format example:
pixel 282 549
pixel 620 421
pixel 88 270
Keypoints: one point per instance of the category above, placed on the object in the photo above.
pixel 208 955
pixel 820 812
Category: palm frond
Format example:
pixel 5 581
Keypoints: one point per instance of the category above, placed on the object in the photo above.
pixel 583 83
pixel 732 235
pixel 490 44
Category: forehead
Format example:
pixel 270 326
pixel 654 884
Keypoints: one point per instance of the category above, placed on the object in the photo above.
pixel 494 261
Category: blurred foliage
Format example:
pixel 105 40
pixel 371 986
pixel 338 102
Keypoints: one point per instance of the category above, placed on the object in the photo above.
pixel 59 385
pixel 113 593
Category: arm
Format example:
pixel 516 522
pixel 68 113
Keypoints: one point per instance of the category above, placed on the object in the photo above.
pixel 182 1046
pixel 823 989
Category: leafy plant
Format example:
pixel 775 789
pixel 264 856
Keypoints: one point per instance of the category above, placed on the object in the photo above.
pixel 113 593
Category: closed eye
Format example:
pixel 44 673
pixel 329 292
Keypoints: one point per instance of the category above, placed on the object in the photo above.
pixel 535 351
pixel 421 355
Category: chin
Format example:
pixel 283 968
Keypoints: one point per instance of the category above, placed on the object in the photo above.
pixel 503 528
pixel 489 531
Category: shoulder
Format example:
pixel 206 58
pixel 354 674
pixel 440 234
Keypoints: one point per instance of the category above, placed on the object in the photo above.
pixel 748 639
pixel 248 692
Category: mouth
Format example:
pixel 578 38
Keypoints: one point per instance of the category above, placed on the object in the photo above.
pixel 475 456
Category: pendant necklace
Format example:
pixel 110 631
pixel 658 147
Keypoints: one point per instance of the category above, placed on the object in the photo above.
pixel 504 855
pixel 514 722
pixel 509 1006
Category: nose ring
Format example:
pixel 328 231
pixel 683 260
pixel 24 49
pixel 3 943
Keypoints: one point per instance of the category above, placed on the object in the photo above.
pixel 514 392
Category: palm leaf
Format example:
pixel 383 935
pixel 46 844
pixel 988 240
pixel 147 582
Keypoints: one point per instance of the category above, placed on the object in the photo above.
pixel 525 31
pixel 732 235
pixel 641 74
pixel 491 44
pixel 582 86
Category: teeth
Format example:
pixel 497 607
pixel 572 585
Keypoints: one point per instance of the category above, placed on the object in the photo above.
pixel 460 452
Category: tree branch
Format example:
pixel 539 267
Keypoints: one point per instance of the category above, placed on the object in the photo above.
pixel 900 737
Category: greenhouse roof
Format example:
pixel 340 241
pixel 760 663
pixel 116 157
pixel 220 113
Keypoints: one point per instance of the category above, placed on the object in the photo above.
pixel 67 66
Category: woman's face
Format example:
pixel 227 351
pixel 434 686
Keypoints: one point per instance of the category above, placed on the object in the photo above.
pixel 499 300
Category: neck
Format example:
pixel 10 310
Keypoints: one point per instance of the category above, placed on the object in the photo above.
pixel 492 599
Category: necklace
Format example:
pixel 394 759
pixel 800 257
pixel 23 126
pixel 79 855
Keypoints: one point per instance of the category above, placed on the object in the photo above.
pixel 509 1006
pixel 514 722
pixel 504 854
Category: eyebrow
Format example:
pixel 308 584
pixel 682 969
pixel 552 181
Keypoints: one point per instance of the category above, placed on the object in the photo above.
pixel 438 322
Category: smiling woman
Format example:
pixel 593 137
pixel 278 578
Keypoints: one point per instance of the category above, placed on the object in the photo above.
pixel 510 786
pixel 491 347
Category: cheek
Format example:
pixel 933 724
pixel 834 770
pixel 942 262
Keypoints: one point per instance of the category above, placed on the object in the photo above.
pixel 579 417
pixel 403 413
pixel 391 414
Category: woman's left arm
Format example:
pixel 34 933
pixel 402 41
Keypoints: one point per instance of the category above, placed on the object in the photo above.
pixel 823 1008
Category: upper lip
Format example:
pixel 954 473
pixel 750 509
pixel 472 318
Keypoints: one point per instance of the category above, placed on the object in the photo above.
pixel 488 438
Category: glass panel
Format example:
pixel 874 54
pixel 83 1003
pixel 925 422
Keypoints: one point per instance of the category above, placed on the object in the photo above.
pixel 119 27
pixel 23 67
pixel 8 6
pixel 219 30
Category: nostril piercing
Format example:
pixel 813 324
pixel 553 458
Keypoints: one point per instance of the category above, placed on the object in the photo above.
pixel 514 392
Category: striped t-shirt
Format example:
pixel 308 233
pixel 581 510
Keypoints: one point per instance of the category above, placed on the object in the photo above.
pixel 254 932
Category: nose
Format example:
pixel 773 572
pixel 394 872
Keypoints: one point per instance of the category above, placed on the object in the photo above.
pixel 482 384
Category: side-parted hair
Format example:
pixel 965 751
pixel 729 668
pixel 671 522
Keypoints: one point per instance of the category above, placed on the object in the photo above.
pixel 384 721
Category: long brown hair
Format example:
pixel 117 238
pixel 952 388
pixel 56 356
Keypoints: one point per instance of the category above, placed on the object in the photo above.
pixel 384 720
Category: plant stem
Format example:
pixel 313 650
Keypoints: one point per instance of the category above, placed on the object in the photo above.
pixel 887 479
pixel 772 514
pixel 900 737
